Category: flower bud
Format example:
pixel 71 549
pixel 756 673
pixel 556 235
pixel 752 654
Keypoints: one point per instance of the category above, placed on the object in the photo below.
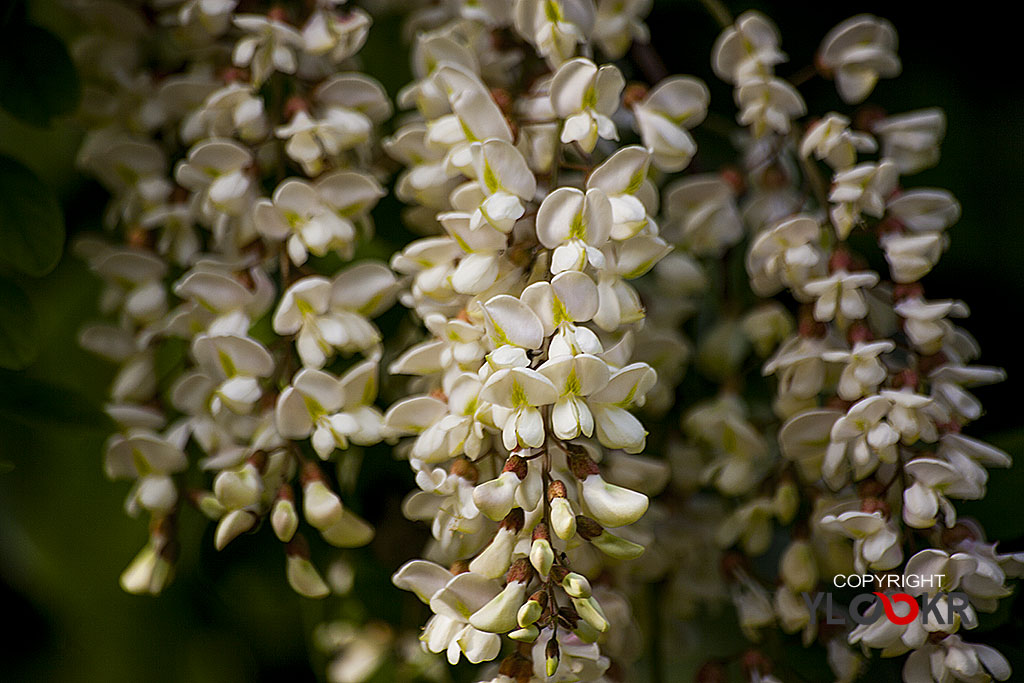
pixel 525 635
pixel 798 569
pixel 499 615
pixel 495 559
pixel 496 497
pixel 149 572
pixel 350 531
pixel 302 575
pixel 612 505
pixel 609 544
pixel 238 488
pixel 320 505
pixel 590 611
pixel 232 525
pixel 284 519
pixel 551 656
pixel 541 554
pixel 786 501
pixel 207 503
pixel 576 585
pixel 532 609
pixel 563 520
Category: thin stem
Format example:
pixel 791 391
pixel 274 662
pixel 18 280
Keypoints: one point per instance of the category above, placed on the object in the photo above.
pixel 719 12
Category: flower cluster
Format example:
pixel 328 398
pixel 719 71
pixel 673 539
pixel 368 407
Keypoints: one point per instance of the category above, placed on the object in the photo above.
pixel 522 435
pixel 241 152
pixel 565 274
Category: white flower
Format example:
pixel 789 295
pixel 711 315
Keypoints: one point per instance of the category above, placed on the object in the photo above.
pixel 924 210
pixel 912 140
pixel 586 96
pixel 520 391
pixel 768 105
pixel 575 378
pixel 616 427
pixel 575 225
pixel 861 189
pixel 338 36
pixel 911 257
pixel 831 139
pixel 876 543
pixel 858 52
pixel 925 321
pixel 228 376
pixel 859 440
pixel 632 195
pixel 747 50
pixel 453 600
pixel 951 659
pixel 701 214
pixel 618 24
pixel 555 27
pixel 505 181
pixel 862 371
pixel 268 46
pixel 664 116
pixel 923 499
pixel 312 141
pixel 839 295
pixel 788 254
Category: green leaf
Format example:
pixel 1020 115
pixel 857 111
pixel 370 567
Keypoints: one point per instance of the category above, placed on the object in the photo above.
pixel 32 401
pixel 31 223
pixel 18 334
pixel 38 80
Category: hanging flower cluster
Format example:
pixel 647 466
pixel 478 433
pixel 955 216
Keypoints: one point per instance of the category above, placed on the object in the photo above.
pixel 563 267
pixel 241 155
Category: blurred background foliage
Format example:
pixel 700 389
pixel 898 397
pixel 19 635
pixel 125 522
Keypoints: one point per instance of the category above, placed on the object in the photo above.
pixel 64 538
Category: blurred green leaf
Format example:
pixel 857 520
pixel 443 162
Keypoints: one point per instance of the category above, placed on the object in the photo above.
pixel 38 81
pixel 18 329
pixel 25 399
pixel 31 223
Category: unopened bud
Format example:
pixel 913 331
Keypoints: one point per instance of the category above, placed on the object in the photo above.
pixel 563 520
pixel 320 505
pixel 304 578
pixel 551 656
pixel 231 526
pixel 542 556
pixel 576 585
pixel 527 634
pixel 284 519
pixel 530 612
pixel 590 611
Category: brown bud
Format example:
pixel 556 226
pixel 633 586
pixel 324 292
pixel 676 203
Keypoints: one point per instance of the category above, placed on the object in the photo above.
pixel 910 290
pixel 258 460
pixel 568 616
pixel 285 492
pixel 459 567
pixel 540 532
pixel 957 534
pixel 463 467
pixel 517 465
pixel 278 13
pixel 540 597
pixel 556 489
pixel 871 505
pixel 516 667
pixel 514 520
pixel 298 546
pixel 733 176
pixel 558 573
pixel 731 562
pixel 906 378
pixel 310 473
pixel 439 395
pixel 867 116
pixel 294 105
pixel 841 259
pixel 926 364
pixel 634 94
pixel 870 488
pixel 859 332
pixel 582 466
pixel 521 571
pixel 587 528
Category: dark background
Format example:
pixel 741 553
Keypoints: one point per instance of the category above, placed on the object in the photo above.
pixel 64 538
